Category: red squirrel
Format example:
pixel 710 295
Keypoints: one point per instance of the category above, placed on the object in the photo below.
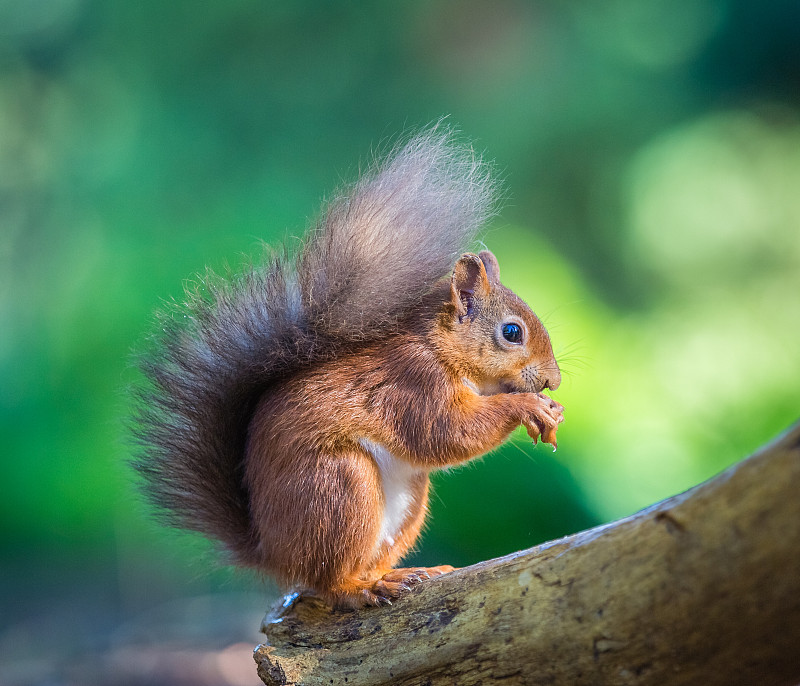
pixel 295 412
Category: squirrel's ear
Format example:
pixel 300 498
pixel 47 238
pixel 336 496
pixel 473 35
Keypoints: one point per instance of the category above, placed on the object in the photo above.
pixel 491 266
pixel 469 279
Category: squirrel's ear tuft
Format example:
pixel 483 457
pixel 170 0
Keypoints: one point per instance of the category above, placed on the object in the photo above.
pixel 491 266
pixel 469 279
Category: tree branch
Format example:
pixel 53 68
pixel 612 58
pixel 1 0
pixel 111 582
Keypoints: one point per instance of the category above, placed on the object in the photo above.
pixel 703 588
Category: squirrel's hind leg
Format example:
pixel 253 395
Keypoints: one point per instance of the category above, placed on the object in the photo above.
pixel 381 582
pixel 317 518
pixel 324 524
pixel 377 583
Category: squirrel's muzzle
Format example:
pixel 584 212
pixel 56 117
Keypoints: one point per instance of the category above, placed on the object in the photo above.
pixel 539 377
pixel 552 377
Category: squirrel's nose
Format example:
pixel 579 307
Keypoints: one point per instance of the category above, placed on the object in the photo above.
pixel 552 379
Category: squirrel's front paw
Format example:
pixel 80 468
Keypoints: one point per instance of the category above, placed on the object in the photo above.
pixel 544 420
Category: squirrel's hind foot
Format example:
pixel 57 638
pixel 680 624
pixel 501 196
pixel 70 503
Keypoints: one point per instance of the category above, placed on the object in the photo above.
pixel 394 583
pixel 413 575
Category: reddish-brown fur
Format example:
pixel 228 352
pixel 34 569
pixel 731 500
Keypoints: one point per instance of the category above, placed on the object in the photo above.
pixel 293 412
pixel 316 495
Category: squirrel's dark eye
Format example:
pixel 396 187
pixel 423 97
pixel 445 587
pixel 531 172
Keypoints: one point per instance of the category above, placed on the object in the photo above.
pixel 512 333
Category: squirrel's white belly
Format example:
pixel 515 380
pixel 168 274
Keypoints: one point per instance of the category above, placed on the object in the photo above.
pixel 397 477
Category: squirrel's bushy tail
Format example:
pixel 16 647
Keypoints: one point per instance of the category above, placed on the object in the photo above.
pixel 377 250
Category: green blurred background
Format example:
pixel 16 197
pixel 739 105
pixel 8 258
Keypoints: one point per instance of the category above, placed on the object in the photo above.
pixel 650 152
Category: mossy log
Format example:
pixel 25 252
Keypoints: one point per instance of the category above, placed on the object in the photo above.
pixel 701 588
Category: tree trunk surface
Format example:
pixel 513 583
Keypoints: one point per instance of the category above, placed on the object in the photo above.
pixel 701 588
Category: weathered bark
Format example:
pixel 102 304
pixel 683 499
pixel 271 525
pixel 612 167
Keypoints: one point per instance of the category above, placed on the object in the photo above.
pixel 701 588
